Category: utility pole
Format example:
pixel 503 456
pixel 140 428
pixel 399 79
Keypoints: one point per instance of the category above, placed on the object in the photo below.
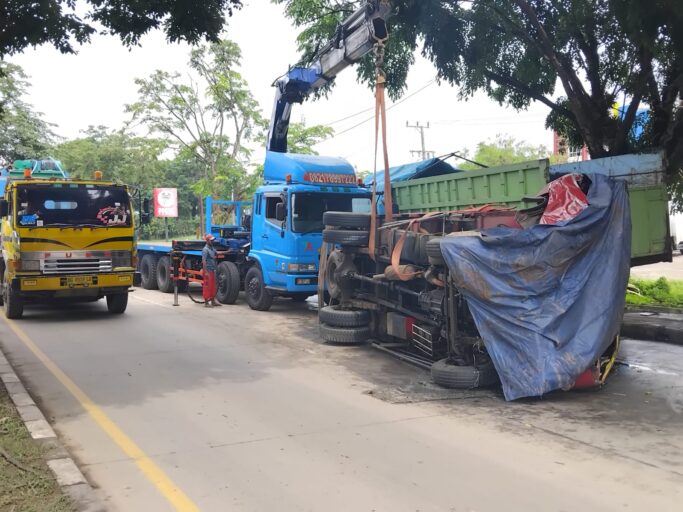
pixel 423 154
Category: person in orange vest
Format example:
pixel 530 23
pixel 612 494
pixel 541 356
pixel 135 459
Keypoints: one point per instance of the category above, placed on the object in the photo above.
pixel 209 256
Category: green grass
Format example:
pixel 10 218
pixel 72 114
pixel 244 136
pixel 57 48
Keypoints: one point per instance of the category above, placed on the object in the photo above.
pixel 34 490
pixel 662 292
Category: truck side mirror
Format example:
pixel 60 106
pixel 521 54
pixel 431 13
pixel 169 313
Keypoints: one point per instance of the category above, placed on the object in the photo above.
pixel 4 208
pixel 144 218
pixel 280 212
pixel 145 206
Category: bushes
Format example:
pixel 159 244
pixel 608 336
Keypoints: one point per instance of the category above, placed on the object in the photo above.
pixel 177 228
pixel 661 292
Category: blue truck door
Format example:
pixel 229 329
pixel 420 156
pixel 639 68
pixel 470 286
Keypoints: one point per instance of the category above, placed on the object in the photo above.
pixel 267 240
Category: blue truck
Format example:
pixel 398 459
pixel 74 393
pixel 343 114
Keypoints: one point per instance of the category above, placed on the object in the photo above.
pixel 277 252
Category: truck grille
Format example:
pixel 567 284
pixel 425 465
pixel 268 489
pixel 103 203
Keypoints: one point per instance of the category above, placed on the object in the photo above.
pixel 76 266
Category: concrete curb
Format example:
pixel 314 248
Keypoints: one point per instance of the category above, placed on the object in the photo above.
pixel 68 476
pixel 661 327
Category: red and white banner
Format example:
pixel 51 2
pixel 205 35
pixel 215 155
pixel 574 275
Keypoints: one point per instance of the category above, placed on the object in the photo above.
pixel 165 202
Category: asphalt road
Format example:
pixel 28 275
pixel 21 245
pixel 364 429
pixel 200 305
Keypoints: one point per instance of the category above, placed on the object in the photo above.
pixel 672 270
pixel 231 409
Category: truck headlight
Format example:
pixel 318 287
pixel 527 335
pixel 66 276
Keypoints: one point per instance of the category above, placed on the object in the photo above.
pixel 121 259
pixel 301 267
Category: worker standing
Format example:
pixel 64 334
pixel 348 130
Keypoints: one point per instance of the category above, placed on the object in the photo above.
pixel 209 255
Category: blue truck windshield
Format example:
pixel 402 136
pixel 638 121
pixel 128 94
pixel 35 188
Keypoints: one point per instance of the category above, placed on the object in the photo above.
pixel 308 208
pixel 66 204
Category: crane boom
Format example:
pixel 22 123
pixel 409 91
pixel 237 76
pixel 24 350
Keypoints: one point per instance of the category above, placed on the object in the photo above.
pixel 354 38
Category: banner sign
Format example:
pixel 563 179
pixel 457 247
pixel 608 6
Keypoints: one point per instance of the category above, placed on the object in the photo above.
pixel 165 202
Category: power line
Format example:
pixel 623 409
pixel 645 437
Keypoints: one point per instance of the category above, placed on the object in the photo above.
pixel 405 98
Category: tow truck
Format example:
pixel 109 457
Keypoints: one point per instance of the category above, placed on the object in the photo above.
pixel 277 253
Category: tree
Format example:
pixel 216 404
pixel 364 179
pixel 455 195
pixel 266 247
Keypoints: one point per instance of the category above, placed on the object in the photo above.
pixel 302 138
pixel 209 122
pixel 58 23
pixel 517 51
pixel 23 132
pixel 503 150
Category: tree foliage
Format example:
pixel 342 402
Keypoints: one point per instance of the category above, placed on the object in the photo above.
pixel 23 132
pixel 60 23
pixel 503 150
pixel 518 51
pixel 301 139
pixel 208 117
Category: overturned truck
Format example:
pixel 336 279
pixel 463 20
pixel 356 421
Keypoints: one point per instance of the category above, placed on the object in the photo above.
pixel 529 293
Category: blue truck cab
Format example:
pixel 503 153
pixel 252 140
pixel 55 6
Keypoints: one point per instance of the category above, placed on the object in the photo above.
pixel 287 220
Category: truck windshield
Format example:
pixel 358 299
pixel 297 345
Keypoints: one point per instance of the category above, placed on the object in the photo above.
pixel 308 208
pixel 71 204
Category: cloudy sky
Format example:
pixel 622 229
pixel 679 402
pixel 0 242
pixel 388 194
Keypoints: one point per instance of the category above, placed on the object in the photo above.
pixel 91 88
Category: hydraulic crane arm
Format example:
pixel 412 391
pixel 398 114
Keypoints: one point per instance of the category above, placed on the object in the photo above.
pixel 354 38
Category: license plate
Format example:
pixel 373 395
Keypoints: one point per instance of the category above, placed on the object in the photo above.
pixel 79 280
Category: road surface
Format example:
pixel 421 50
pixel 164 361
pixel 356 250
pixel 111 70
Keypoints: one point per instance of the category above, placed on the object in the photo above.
pixel 190 408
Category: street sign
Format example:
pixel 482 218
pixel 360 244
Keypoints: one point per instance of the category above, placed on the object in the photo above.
pixel 165 202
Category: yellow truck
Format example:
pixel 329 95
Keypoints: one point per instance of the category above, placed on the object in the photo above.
pixel 64 239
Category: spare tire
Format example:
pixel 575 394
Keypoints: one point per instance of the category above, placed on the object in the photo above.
pixel 346 237
pixel 347 220
pixel 336 317
pixel 447 374
pixel 344 335
pixel 434 254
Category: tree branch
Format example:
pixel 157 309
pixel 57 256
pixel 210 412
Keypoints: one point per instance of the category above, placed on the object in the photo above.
pixel 522 87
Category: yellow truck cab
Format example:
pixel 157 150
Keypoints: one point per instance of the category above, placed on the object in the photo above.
pixel 63 239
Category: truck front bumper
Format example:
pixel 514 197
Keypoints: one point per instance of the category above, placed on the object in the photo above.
pixel 57 283
pixel 298 283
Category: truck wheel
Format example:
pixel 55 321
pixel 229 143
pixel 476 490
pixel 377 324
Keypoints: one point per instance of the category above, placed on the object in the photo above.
pixel 347 220
pixel 346 237
pixel 117 303
pixel 449 375
pixel 228 282
pixel 13 303
pixel 434 254
pixel 148 272
pixel 258 297
pixel 164 280
pixel 344 335
pixel 336 317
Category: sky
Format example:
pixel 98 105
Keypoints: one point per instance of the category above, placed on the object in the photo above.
pixel 92 88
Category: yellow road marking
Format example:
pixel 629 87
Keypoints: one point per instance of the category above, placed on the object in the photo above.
pixel 154 473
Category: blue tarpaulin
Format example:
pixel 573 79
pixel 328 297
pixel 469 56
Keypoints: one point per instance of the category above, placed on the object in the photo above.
pixel 412 171
pixel 548 300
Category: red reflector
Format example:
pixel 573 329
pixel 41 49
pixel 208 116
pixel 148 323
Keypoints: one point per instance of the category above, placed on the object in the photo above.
pixel 107 253
pixel 410 321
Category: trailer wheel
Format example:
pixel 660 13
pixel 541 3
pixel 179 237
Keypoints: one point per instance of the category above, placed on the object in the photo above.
pixel 344 335
pixel 449 375
pixel 148 272
pixel 346 237
pixel 228 282
pixel 258 297
pixel 434 254
pixel 164 279
pixel 336 317
pixel 13 303
pixel 347 220
pixel 117 303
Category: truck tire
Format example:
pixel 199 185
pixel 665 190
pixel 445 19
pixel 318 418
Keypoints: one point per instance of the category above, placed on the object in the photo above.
pixel 259 297
pixel 449 375
pixel 434 254
pixel 13 303
pixel 334 316
pixel 148 272
pixel 164 279
pixel 117 303
pixel 344 335
pixel 346 237
pixel 227 282
pixel 346 220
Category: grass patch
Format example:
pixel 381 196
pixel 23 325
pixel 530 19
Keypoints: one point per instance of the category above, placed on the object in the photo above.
pixel 33 488
pixel 662 292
